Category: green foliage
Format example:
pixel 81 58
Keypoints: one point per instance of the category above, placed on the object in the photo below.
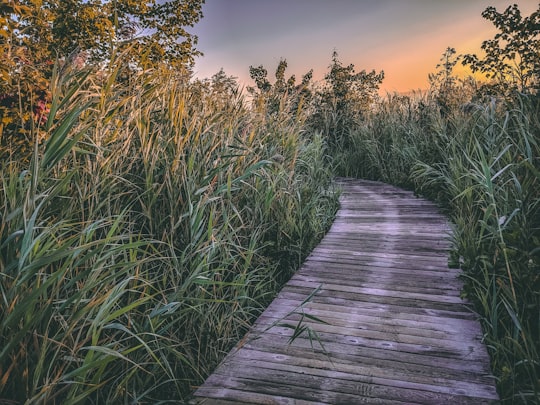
pixel 34 34
pixel 283 90
pixel 390 139
pixel 449 91
pixel 144 236
pixel 343 101
pixel 300 328
pixel 512 57
pixel 333 109
pixel 489 176
pixel 23 86
pixel 154 31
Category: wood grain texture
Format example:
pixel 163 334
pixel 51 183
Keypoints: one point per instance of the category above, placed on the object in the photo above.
pixel 394 330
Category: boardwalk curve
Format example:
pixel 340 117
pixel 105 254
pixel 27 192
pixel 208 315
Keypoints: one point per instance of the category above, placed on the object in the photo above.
pixel 395 329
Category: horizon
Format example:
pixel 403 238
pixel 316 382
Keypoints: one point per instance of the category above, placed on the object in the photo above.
pixel 403 38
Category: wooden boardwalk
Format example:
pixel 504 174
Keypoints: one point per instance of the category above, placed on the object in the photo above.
pixel 396 330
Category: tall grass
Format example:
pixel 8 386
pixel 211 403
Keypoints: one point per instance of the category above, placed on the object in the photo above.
pixel 495 199
pixel 481 163
pixel 392 138
pixel 149 229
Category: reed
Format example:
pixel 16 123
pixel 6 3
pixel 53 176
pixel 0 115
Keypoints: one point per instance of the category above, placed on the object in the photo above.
pixel 148 230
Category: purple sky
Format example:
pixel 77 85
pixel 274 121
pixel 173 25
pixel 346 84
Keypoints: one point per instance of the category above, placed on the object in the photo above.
pixel 405 38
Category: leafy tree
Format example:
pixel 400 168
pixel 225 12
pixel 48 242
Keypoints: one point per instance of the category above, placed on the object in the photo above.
pixel 444 76
pixel 223 84
pixel 344 99
pixel 512 57
pixel 155 30
pixel 449 91
pixel 350 89
pixel 282 91
pixel 220 90
pixel 34 33
pixel 259 74
pixel 23 83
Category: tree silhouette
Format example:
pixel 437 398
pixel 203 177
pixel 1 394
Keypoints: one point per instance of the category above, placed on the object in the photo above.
pixel 512 57
pixel 284 93
pixel 344 100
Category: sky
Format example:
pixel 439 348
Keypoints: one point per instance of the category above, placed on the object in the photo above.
pixel 404 38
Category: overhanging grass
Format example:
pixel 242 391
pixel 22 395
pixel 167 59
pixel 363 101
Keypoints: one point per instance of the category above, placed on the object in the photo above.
pixel 145 236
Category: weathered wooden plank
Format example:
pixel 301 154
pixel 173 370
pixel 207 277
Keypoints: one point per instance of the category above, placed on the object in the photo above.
pixel 386 376
pixel 439 343
pixel 378 261
pixel 396 281
pixel 335 390
pixel 354 237
pixel 366 268
pixel 385 311
pixel 227 396
pixel 384 292
pixel 431 246
pixel 399 251
pixel 361 270
pixel 351 298
pixel 395 328
pixel 383 354
pixel 451 344
pixel 409 258
pixel 350 254
pixel 266 392
pixel 359 316
pixel 451 313
pixel 371 274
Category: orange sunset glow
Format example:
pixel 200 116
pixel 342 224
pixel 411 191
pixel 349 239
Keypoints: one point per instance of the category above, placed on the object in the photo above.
pixel 405 38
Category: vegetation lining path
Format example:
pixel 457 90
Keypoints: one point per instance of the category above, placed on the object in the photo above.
pixel 395 329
